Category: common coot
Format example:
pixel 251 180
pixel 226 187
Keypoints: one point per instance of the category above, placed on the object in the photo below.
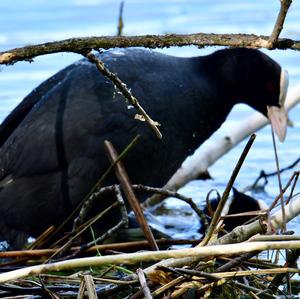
pixel 52 151
pixel 239 203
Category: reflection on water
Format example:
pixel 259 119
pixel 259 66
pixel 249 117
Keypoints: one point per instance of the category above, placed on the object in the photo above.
pixel 31 21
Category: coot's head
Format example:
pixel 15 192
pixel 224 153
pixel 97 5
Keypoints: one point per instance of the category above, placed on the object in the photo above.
pixel 238 203
pixel 262 84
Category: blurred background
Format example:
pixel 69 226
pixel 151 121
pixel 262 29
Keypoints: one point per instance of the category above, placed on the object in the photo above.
pixel 31 22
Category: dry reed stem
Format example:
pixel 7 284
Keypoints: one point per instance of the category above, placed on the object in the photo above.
pixel 132 258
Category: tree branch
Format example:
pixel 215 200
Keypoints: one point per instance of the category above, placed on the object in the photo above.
pixel 284 6
pixel 120 20
pixel 121 86
pixel 79 45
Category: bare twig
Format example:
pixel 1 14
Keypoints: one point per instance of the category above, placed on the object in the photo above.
pixel 282 205
pixel 167 286
pixel 236 261
pixel 81 290
pixel 99 183
pixel 125 92
pixel 186 272
pixel 78 45
pixel 274 238
pixel 293 186
pixel 279 180
pixel 69 243
pixel 130 195
pixel 90 222
pixel 226 192
pixel 264 294
pixel 115 281
pixel 90 287
pixel 120 20
pixel 124 246
pixel 122 223
pixel 284 6
pixel 255 272
pixel 292 178
pixel 291 261
pixel 87 205
pixel 143 283
pixel 264 175
pixel 169 193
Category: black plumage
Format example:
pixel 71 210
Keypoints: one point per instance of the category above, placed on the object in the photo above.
pixel 52 152
pixel 240 203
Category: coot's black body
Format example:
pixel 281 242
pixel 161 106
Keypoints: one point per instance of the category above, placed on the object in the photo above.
pixel 240 203
pixel 52 143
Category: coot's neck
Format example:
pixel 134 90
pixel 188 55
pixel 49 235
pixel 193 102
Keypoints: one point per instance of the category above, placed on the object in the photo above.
pixel 226 69
pixel 214 95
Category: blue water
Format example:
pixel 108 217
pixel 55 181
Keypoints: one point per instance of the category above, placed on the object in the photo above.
pixel 30 22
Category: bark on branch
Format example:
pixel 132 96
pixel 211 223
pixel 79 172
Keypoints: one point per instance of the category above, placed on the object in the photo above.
pixel 79 45
pixel 284 7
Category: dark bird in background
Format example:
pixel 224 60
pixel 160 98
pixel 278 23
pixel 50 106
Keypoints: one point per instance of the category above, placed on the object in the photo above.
pixel 240 203
pixel 52 152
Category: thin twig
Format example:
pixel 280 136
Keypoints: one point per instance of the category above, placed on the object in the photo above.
pixel 129 193
pixel 170 193
pixel 293 186
pixel 168 285
pixel 274 238
pixel 236 261
pixel 295 174
pixel 124 246
pixel 103 177
pixel 90 287
pixel 291 261
pixel 88 204
pixel 250 288
pixel 115 281
pixel 122 223
pixel 121 86
pixel 81 290
pixel 284 6
pixel 69 243
pixel 226 192
pixel 90 222
pixel 232 274
pixel 185 272
pixel 279 180
pixel 265 175
pixel 120 20
pixel 143 282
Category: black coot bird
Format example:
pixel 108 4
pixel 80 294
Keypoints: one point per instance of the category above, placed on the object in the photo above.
pixel 240 203
pixel 52 151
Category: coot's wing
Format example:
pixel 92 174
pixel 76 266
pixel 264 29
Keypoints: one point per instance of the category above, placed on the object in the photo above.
pixel 63 122
pixel 12 121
